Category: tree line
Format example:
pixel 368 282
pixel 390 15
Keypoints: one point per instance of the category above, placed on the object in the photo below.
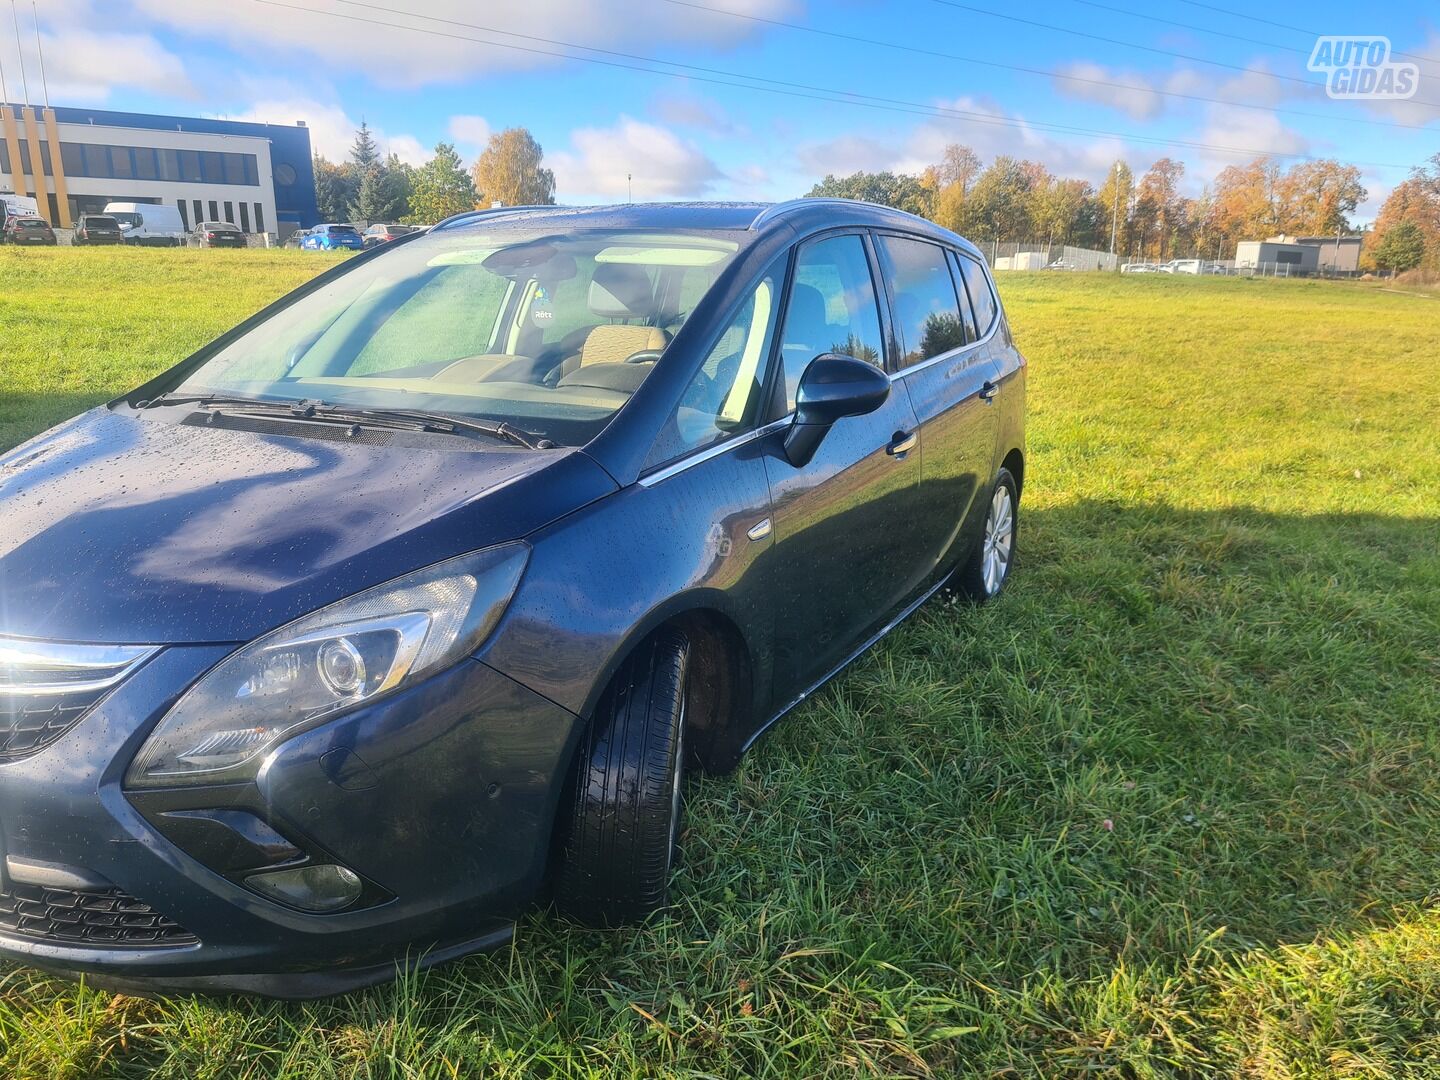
pixel 369 187
pixel 1010 199
pixel 1016 200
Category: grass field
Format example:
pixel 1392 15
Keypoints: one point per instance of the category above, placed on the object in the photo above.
pixel 1168 809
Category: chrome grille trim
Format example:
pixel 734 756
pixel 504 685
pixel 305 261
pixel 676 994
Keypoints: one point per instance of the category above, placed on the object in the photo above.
pixel 45 668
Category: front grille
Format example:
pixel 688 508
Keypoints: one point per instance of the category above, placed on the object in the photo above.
pixel 28 723
pixel 63 916
pixel 47 686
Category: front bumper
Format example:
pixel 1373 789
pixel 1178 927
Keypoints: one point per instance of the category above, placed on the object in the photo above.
pixel 442 795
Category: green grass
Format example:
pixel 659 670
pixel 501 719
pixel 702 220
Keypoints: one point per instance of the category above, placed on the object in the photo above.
pixel 1168 809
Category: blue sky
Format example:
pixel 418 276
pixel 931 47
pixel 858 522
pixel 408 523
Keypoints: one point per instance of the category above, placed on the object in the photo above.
pixel 692 133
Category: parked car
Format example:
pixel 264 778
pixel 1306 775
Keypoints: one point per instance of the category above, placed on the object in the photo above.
pixel 148 224
pixel 329 237
pixel 218 234
pixel 296 239
pixel 29 230
pixel 1062 264
pixel 1185 266
pixel 1140 268
pixel 329 645
pixel 97 229
pixel 376 235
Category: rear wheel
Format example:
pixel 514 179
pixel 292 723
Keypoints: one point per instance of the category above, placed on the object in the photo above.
pixel 986 571
pixel 618 846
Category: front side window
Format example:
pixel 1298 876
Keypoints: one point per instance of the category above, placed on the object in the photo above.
pixel 470 324
pixel 927 313
pixel 831 308
pixel 983 300
pixel 724 395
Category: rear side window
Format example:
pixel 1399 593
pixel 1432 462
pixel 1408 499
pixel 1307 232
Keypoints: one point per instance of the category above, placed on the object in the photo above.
pixel 977 284
pixel 831 308
pixel 927 311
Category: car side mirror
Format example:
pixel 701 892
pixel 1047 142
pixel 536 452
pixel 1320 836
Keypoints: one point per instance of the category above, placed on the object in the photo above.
pixel 833 386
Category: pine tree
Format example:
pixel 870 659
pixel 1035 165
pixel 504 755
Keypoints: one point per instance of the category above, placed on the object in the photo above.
pixel 441 187
pixel 364 152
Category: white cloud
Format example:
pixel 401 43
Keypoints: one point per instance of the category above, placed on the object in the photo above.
pixel 643 159
pixel 689 111
pixel 449 40
pixel 332 129
pixel 1130 92
pixel 470 134
pixel 84 65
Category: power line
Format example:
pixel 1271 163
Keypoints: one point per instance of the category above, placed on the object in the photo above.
pixel 876 42
pixel 777 86
pixel 1134 45
pixel 1296 29
pixel 1192 26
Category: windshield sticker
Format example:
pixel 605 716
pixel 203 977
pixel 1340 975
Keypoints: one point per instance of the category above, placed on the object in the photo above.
pixel 541 311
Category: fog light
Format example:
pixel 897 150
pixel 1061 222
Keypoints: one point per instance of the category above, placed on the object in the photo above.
pixel 320 887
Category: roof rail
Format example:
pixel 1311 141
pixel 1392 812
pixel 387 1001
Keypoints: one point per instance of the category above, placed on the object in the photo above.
pixel 780 209
pixel 466 216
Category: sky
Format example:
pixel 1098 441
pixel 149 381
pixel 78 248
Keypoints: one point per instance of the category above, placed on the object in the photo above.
pixel 756 99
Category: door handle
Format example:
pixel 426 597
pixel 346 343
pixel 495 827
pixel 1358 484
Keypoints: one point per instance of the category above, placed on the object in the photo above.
pixel 987 390
pixel 902 443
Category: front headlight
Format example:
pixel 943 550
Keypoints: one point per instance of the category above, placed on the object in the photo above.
pixel 331 660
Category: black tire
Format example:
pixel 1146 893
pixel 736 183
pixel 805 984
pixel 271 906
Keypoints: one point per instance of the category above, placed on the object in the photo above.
pixel 618 843
pixel 978 579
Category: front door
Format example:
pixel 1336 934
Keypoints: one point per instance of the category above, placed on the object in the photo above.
pixel 850 543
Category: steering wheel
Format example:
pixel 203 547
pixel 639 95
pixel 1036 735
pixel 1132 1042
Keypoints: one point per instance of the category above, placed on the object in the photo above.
pixel 644 356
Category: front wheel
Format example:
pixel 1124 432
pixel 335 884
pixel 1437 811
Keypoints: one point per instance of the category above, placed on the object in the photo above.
pixel 988 568
pixel 618 845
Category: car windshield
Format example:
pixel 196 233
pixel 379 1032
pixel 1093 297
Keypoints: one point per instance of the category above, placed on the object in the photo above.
pixel 31 223
pixel 549 331
pixel 123 218
pixel 98 222
pixel 336 230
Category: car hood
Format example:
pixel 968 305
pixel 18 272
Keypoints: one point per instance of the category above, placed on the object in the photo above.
pixel 118 527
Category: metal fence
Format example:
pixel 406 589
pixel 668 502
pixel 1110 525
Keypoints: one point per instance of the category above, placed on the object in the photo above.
pixel 1038 255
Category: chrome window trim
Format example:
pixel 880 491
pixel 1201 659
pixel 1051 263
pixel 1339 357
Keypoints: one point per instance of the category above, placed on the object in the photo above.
pixel 106 665
pixel 664 472
pixel 953 354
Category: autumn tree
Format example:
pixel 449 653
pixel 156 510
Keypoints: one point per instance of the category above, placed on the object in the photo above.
pixel 998 205
pixel 509 172
pixel 1318 197
pixel 1415 201
pixel 948 183
pixel 1247 205
pixel 441 187
pixel 1159 207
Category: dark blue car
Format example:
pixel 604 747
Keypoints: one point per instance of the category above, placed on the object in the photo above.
pixel 412 598
pixel 332 238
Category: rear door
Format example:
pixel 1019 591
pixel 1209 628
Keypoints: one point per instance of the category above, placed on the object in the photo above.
pixel 946 368
pixel 849 541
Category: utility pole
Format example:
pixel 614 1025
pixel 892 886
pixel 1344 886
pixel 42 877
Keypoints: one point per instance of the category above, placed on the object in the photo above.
pixel 40 52
pixel 24 82
pixel 629 191
pixel 1114 207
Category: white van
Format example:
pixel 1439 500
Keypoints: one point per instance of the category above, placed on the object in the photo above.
pixel 149 223
pixel 12 205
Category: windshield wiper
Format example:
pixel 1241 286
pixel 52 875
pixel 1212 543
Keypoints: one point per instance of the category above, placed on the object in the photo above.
pixel 496 429
pixel 404 419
